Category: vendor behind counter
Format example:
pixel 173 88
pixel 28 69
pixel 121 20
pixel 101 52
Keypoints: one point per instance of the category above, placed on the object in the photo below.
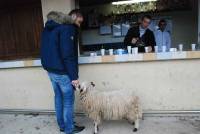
pixel 141 36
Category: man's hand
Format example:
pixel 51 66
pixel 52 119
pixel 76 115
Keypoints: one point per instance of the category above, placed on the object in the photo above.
pixel 75 83
pixel 134 40
pixel 150 49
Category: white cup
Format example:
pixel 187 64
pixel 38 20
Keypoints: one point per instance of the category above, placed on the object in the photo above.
pixel 180 47
pixel 129 49
pixel 164 49
pixel 193 46
pixel 102 52
pixel 93 54
pixel 173 50
pixel 146 49
pixel 120 51
pixel 110 51
pixel 156 49
pixel 135 50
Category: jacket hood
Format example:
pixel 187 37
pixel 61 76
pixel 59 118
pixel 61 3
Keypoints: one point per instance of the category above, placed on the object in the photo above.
pixel 56 18
pixel 59 17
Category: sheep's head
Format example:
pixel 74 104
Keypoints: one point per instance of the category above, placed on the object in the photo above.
pixel 85 87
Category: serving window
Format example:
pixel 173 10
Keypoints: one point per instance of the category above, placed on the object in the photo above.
pixel 107 22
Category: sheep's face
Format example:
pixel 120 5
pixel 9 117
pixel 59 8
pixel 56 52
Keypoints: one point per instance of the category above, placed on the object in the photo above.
pixel 85 86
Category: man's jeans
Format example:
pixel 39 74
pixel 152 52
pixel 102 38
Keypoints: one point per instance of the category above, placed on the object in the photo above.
pixel 64 101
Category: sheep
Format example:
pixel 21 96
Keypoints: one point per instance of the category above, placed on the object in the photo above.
pixel 109 105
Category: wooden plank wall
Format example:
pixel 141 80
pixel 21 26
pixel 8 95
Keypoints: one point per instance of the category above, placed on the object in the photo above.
pixel 21 24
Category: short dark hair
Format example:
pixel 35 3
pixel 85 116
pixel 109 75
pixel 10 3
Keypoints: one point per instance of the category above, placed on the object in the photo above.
pixel 75 11
pixel 146 16
pixel 162 21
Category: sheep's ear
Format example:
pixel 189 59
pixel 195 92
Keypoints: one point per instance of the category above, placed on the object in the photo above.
pixel 92 83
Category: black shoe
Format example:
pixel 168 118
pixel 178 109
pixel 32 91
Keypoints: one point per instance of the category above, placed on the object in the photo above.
pixel 62 130
pixel 78 129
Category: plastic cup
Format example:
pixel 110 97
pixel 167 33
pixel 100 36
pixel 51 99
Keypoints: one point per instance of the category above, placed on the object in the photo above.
pixel 120 51
pixel 164 49
pixel 156 49
pixel 110 51
pixel 135 50
pixel 129 49
pixel 193 47
pixel 180 47
pixel 146 49
pixel 102 52
pixel 91 54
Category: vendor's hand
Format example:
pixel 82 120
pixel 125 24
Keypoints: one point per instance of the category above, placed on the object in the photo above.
pixel 150 49
pixel 134 40
pixel 75 83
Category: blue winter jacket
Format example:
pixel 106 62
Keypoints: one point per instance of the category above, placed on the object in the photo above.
pixel 59 49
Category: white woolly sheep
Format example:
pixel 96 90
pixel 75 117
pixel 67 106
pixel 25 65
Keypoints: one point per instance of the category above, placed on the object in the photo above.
pixel 109 105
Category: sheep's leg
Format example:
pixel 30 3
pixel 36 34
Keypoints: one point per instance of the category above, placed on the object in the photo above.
pixel 136 125
pixel 96 125
pixel 96 129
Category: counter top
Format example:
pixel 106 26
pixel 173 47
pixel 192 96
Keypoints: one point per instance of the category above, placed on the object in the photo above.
pixel 186 55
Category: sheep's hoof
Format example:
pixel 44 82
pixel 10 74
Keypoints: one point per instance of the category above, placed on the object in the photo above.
pixel 135 130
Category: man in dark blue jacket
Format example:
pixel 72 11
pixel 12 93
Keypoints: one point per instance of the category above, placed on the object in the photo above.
pixel 59 57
